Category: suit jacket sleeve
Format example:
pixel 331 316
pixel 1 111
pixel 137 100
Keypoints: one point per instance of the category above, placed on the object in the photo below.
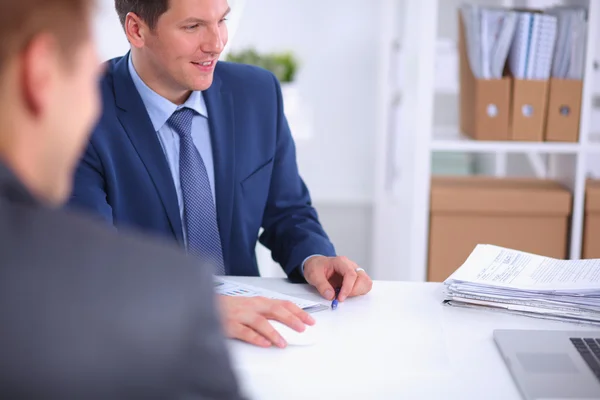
pixel 291 226
pixel 89 189
pixel 208 365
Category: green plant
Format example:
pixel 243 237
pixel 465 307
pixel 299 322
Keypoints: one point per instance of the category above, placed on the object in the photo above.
pixel 283 65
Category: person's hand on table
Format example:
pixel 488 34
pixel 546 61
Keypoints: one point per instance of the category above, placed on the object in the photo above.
pixel 328 273
pixel 246 319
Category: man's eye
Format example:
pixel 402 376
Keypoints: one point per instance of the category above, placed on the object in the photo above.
pixel 191 27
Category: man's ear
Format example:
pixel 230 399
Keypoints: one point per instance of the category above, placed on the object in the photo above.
pixel 39 62
pixel 136 30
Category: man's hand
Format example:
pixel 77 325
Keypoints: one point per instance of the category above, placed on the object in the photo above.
pixel 245 318
pixel 328 273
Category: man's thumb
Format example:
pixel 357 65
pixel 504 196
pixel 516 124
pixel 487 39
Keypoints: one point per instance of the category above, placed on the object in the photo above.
pixel 325 288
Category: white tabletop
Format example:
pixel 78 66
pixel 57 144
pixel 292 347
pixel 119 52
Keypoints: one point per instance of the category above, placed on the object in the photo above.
pixel 398 341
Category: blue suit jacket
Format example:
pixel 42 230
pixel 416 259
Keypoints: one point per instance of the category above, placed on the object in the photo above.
pixel 124 177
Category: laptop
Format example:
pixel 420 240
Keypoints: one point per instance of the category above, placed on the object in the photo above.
pixel 552 364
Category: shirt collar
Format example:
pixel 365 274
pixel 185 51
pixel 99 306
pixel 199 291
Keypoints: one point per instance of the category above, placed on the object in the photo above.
pixel 160 109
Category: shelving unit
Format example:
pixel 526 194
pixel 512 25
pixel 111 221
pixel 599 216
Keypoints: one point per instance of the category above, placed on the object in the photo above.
pixel 450 139
pixel 413 73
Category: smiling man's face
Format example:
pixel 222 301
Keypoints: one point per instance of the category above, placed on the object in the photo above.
pixel 184 46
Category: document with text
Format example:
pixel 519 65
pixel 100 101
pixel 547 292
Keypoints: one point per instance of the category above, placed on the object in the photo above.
pixel 501 267
pixel 230 288
pixel 498 278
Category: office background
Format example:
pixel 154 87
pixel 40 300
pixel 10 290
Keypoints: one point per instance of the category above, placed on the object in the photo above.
pixel 345 49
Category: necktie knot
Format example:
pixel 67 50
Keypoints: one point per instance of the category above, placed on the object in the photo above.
pixel 181 121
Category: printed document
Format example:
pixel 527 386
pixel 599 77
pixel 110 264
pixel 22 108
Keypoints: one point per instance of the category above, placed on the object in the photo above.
pixel 498 266
pixel 230 288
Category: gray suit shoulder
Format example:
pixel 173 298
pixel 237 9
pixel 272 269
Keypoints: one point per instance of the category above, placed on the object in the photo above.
pixel 89 313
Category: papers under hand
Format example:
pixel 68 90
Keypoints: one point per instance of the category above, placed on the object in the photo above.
pixel 497 278
pixel 230 288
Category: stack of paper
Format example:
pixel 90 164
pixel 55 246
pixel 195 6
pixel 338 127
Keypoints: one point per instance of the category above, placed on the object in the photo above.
pixel 497 278
pixel 569 53
pixel 489 33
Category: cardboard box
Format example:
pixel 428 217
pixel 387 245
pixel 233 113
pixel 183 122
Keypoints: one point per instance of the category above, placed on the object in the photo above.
pixel 591 232
pixel 484 103
pixel 564 109
pixel 525 214
pixel 528 114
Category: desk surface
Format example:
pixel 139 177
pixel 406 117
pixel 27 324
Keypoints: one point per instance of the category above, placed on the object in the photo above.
pixel 399 341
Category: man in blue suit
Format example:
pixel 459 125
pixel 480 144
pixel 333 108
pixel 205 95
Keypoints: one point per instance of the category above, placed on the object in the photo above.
pixel 199 151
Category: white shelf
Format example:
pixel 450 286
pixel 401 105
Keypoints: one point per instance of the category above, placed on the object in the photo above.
pixel 593 144
pixel 427 66
pixel 450 139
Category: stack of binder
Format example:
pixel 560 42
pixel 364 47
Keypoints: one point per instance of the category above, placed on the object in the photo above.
pixel 501 279
pixel 521 72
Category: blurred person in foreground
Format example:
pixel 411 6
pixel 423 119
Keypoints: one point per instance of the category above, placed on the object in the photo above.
pixel 199 151
pixel 85 313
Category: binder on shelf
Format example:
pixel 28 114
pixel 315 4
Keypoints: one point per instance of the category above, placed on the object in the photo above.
pixel 484 103
pixel 564 109
pixel 528 113
pixel 530 63
pixel 566 84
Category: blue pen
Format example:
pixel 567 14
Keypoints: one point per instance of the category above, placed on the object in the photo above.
pixel 334 303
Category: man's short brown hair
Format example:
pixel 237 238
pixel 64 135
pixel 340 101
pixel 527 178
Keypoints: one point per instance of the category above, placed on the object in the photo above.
pixel 148 10
pixel 22 20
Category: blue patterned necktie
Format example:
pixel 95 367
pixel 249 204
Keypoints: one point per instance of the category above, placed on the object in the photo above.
pixel 199 211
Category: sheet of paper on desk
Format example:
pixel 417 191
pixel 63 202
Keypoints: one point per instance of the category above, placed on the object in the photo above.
pixel 527 284
pixel 231 288
pixel 495 266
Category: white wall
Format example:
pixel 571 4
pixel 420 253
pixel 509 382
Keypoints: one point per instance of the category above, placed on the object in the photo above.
pixel 110 39
pixel 337 45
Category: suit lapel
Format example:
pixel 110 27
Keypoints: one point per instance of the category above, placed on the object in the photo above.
pixel 136 122
pixel 219 103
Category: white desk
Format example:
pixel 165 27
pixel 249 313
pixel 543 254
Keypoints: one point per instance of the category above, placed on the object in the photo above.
pixel 398 342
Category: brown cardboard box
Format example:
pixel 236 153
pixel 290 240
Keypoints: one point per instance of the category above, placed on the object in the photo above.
pixel 564 109
pixel 524 214
pixel 591 233
pixel 484 103
pixel 528 114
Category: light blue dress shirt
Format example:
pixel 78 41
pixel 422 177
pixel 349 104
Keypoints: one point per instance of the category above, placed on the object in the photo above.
pixel 160 110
